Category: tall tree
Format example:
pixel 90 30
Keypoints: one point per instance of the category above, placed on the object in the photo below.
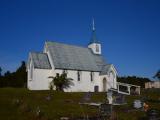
pixel 20 76
pixel 61 82
pixel 15 79
pixel 157 75
pixel 0 71
pixel 7 73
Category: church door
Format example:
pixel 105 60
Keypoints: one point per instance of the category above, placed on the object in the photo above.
pixel 96 88
pixel 104 84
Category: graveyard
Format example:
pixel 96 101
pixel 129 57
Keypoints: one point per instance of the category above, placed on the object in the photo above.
pixel 22 104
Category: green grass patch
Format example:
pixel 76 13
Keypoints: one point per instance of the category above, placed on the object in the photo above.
pixel 22 104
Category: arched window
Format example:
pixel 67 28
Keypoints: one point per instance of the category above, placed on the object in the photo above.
pixel 92 76
pixel 104 84
pixel 31 71
pixel 79 75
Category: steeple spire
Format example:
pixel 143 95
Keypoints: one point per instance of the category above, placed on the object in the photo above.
pixel 93 25
pixel 93 36
pixel 94 44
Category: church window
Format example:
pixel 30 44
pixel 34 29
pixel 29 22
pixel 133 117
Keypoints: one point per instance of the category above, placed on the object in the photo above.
pixel 92 76
pixel 65 71
pixel 79 75
pixel 31 72
pixel 97 48
pixel 57 74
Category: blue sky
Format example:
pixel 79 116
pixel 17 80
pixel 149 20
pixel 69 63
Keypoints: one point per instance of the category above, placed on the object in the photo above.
pixel 129 30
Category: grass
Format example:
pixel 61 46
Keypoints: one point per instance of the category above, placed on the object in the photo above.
pixel 22 104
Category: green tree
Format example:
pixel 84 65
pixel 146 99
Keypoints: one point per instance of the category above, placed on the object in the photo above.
pixel 157 75
pixel 61 82
pixel 15 79
pixel 140 81
pixel 8 73
pixel 20 76
pixel 0 71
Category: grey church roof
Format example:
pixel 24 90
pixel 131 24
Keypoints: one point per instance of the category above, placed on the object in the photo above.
pixel 105 69
pixel 74 57
pixel 40 60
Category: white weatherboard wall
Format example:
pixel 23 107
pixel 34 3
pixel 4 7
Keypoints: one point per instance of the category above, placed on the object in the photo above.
pixel 109 83
pixel 113 77
pixel 40 80
pixel 85 84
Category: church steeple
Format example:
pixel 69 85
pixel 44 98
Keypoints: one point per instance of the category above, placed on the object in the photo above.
pixel 94 44
pixel 93 36
pixel 93 27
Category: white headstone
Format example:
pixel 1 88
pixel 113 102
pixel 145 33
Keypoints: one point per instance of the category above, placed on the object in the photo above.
pixel 137 104
pixel 109 97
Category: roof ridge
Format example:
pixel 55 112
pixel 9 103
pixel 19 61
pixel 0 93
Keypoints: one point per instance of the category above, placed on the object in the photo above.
pixel 68 44
pixel 38 52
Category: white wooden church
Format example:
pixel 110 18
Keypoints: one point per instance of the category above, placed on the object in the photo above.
pixel 85 65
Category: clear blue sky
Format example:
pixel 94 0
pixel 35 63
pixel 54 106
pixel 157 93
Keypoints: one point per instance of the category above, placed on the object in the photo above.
pixel 129 30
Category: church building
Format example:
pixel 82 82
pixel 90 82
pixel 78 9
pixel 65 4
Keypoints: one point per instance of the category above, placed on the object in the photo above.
pixel 85 65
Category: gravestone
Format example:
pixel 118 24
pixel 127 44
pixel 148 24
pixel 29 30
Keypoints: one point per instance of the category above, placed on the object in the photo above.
pixel 137 104
pixel 48 98
pixel 105 110
pixel 153 114
pixel 119 99
pixel 87 97
pixel 144 98
pixel 109 97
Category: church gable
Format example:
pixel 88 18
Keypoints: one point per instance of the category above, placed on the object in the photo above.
pixel 106 69
pixel 39 60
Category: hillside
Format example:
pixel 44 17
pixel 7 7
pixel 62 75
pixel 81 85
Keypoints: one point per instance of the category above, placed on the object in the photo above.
pixel 21 104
